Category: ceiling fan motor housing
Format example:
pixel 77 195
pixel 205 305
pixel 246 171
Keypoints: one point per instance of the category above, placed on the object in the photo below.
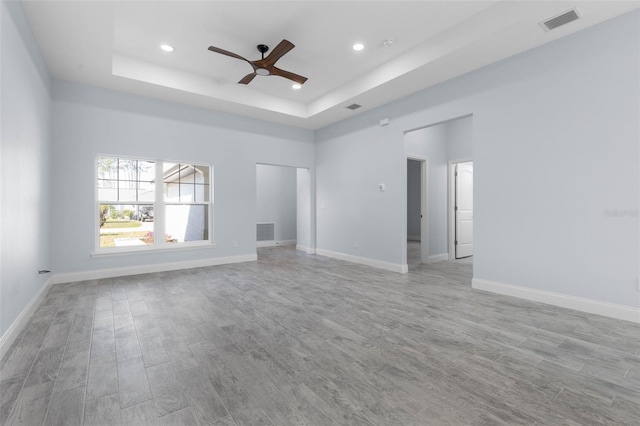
pixel 263 48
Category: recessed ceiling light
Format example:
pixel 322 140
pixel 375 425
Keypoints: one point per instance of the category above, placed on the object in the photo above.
pixel 358 46
pixel 296 86
pixel 166 48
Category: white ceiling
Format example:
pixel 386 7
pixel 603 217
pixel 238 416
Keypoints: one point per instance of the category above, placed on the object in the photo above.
pixel 115 45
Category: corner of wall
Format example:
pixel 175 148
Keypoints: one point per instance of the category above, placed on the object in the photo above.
pixel 9 337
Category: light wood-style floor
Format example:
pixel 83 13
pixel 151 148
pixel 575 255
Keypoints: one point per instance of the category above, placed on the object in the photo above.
pixel 299 339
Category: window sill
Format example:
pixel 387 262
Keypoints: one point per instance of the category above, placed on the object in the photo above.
pixel 150 249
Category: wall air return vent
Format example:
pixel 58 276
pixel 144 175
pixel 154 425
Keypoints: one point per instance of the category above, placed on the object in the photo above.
pixel 354 106
pixel 560 20
pixel 265 232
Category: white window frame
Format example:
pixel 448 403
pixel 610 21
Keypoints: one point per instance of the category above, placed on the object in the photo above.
pixel 159 204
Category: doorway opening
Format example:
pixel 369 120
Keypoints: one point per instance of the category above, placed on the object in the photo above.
pixel 283 206
pixel 440 146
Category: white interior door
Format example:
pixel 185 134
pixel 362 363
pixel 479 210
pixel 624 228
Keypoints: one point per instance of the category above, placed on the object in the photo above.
pixel 464 210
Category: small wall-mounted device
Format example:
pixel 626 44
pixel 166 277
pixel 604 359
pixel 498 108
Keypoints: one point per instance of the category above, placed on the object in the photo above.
pixel 384 121
pixel 381 187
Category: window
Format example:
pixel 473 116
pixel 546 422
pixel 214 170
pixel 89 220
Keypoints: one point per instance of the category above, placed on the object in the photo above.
pixel 152 203
pixel 186 198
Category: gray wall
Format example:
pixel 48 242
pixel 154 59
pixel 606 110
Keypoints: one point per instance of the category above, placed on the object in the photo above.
pixel 460 139
pixel 555 145
pixel 87 121
pixel 25 170
pixel 431 143
pixel 276 190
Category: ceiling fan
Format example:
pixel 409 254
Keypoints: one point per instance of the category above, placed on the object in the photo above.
pixel 266 66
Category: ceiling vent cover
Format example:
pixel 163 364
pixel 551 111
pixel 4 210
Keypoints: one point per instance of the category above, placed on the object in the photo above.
pixel 354 106
pixel 560 20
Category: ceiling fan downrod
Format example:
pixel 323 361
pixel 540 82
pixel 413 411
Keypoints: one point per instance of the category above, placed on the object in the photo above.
pixel 263 48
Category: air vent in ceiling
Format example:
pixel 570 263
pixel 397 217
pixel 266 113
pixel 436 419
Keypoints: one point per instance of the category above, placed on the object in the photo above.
pixel 353 106
pixel 560 20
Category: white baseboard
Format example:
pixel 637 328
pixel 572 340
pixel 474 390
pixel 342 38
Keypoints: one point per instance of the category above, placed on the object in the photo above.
pixel 12 332
pixel 306 249
pixel 146 269
pixel 612 310
pixel 394 267
pixel 414 238
pixel 275 243
pixel 438 257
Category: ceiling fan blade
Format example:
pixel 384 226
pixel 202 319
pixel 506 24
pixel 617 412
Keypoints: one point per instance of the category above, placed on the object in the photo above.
pixel 226 52
pixel 247 78
pixel 286 74
pixel 278 52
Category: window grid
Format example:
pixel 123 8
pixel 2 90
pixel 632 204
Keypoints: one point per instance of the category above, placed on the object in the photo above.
pixel 183 178
pixel 121 183
pixel 121 190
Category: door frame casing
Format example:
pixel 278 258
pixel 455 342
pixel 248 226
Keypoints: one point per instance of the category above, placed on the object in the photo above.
pixel 452 203
pixel 424 203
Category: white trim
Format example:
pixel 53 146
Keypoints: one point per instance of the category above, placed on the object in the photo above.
pixel 438 257
pixel 451 201
pixel 424 204
pixel 12 332
pixel 308 250
pixel 146 269
pixel 612 310
pixel 394 267
pixel 413 237
pixel 275 243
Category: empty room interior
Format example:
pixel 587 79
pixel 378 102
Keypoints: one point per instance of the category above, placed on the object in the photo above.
pixel 320 212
